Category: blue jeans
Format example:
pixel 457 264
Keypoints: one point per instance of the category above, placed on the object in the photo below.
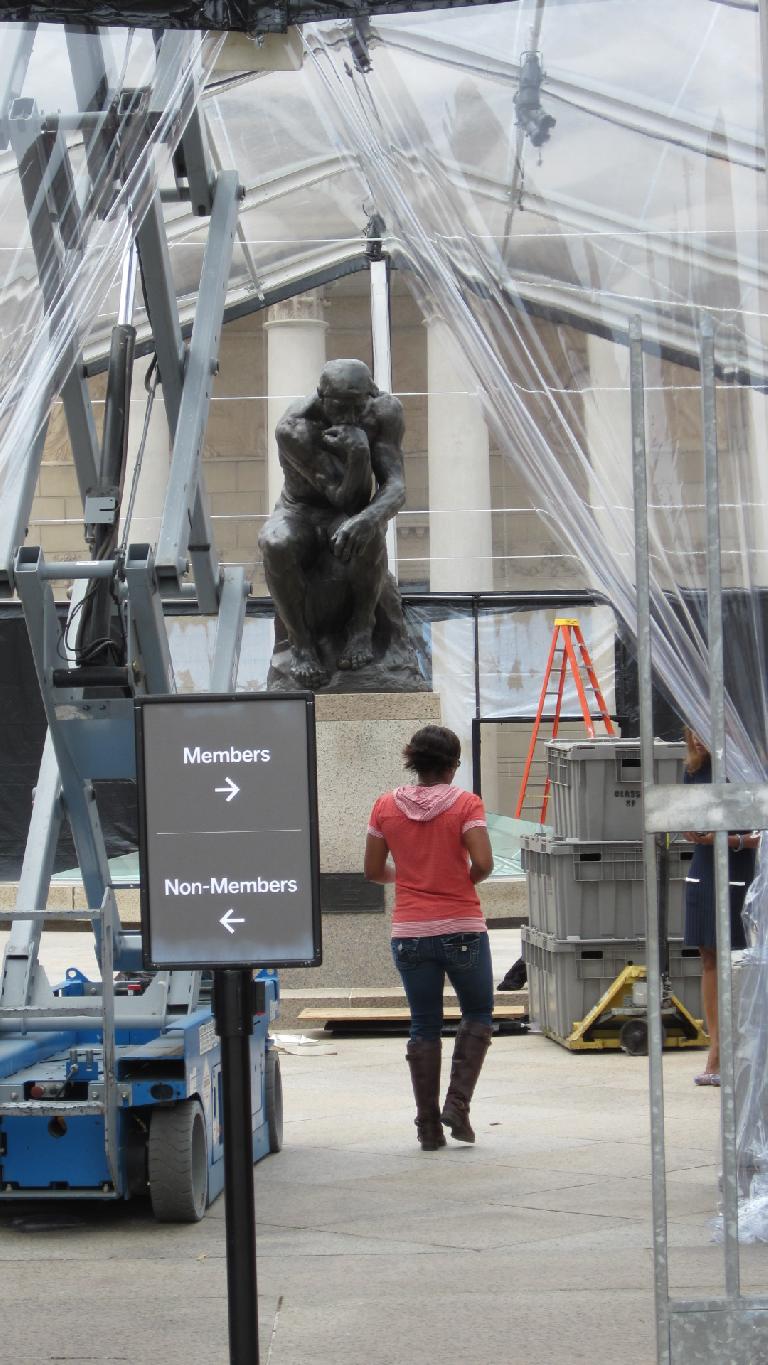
pixel 424 963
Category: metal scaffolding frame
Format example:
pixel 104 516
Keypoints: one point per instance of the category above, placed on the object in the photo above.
pixel 90 710
pixel 733 1327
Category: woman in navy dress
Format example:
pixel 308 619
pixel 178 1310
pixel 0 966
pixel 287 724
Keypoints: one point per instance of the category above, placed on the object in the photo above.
pixel 700 901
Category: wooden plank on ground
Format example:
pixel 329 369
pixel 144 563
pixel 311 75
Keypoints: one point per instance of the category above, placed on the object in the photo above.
pixel 394 1013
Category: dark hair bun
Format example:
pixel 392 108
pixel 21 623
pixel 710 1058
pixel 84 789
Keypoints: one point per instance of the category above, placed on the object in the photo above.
pixel 432 750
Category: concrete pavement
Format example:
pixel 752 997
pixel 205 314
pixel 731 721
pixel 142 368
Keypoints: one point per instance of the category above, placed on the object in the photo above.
pixel 532 1248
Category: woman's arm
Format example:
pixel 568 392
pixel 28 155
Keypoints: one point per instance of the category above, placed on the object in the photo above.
pixel 478 846
pixel 375 868
pixel 735 841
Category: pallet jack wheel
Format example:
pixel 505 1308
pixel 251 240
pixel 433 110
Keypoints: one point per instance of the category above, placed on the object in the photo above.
pixel 633 1037
pixel 178 1163
pixel 274 1101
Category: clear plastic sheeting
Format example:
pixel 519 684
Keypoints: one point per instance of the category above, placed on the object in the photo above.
pixel 54 282
pixel 545 174
pixel 646 199
pixel 506 835
pixel 543 184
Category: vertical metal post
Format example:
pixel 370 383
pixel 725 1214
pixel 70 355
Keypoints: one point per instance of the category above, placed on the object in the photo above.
pixel 644 662
pixel 764 67
pixel 477 758
pixel 381 341
pixel 109 927
pixel 717 748
pixel 476 652
pixel 233 1011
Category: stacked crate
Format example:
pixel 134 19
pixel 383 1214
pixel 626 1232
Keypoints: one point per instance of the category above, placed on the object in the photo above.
pixel 586 882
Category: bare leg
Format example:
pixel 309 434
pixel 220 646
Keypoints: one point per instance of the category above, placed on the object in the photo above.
pixel 367 573
pixel 288 547
pixel 709 1005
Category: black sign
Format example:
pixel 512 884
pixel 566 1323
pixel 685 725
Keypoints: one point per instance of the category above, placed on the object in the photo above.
pixel 228 837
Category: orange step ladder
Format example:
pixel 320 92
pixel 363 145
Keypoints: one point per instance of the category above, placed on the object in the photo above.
pixel 567 639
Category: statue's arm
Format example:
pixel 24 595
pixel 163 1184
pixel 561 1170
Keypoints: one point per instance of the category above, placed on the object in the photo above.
pixel 387 460
pixel 300 451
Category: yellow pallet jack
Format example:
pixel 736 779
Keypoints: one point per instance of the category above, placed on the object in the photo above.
pixel 618 1021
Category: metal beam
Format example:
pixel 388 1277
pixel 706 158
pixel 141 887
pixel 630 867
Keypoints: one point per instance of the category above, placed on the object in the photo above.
pixel 14 516
pixel 32 892
pixel 146 622
pixel 37 171
pixel 14 60
pixel 251 18
pixel 162 309
pixel 645 677
pixel 229 634
pixel 93 79
pixel 82 428
pixel 79 799
pixel 197 165
pixel 184 506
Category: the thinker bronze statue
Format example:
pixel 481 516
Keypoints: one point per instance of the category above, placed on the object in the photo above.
pixel 338 615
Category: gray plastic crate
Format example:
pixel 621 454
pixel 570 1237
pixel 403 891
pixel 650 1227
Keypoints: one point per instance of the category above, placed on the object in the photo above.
pixel 596 786
pixel 566 979
pixel 596 890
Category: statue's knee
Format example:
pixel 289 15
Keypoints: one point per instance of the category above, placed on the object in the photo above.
pixel 277 546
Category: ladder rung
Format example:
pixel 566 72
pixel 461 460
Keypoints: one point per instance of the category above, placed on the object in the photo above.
pixel 51 1108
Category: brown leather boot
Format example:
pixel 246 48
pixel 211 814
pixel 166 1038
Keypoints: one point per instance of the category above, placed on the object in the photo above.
pixel 423 1056
pixel 472 1043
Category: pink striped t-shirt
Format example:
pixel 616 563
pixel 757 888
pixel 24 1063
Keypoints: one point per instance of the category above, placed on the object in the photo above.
pixel 422 827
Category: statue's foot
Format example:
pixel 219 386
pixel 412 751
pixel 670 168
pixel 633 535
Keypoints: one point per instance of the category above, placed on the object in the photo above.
pixel 357 652
pixel 307 669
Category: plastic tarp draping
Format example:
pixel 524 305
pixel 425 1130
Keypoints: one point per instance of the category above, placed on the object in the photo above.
pixel 536 244
pixel 645 199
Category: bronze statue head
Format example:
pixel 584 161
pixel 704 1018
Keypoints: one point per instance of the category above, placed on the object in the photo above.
pixel 344 389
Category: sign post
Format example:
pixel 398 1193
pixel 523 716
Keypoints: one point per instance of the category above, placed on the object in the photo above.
pixel 233 1012
pixel 228 844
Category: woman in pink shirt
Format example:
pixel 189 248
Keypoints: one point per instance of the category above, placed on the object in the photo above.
pixel 438 839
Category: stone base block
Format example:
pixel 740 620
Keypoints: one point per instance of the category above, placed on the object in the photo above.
pixel 360 741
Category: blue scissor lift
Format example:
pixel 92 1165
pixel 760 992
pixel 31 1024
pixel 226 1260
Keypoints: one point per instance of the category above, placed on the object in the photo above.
pixel 111 1088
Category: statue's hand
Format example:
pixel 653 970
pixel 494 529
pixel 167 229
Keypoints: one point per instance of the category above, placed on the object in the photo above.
pixel 353 537
pixel 347 440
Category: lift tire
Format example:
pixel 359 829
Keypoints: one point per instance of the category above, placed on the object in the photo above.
pixel 633 1037
pixel 274 1101
pixel 178 1163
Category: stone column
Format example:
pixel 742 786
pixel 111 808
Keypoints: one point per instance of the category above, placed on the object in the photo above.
pixel 460 524
pixel 460 533
pixel 754 466
pixel 608 435
pixel 296 331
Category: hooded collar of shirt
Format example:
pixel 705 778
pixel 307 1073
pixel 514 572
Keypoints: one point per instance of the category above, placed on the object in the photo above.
pixel 423 803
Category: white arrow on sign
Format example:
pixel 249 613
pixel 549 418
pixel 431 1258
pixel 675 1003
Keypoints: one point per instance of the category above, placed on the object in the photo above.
pixel 229 922
pixel 231 789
